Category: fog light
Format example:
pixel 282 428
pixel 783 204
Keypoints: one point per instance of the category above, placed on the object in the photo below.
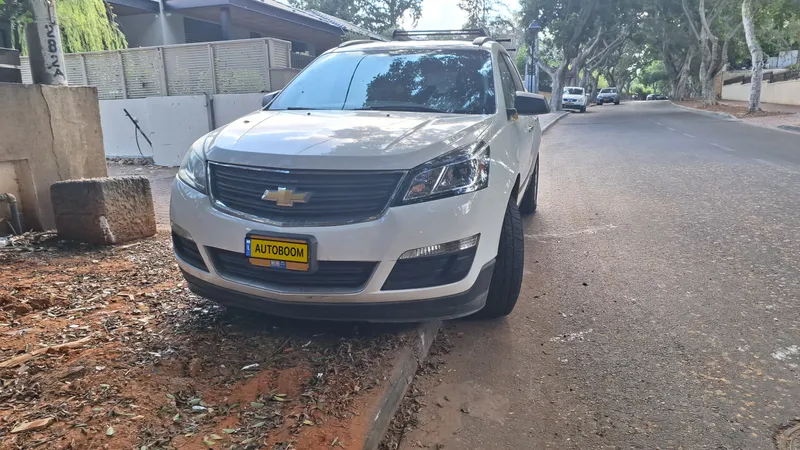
pixel 442 249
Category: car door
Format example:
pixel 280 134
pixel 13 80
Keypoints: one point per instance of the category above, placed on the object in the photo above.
pixel 528 129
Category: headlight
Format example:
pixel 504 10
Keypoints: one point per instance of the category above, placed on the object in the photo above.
pixel 458 172
pixel 193 167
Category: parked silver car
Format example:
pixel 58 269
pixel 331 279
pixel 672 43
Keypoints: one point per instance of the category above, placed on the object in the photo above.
pixel 608 95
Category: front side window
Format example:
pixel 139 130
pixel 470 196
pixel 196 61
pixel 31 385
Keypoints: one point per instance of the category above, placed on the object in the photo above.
pixel 449 81
pixel 509 89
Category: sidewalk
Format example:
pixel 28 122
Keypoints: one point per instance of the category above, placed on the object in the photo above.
pixel 772 115
pixel 771 107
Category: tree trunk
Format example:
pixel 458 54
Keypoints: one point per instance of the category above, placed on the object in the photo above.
pixel 559 77
pixel 684 74
pixel 707 86
pixel 756 54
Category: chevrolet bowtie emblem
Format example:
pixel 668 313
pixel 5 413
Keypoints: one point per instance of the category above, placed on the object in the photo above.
pixel 285 197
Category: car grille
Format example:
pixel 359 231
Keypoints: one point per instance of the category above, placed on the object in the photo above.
pixel 330 275
pixel 336 197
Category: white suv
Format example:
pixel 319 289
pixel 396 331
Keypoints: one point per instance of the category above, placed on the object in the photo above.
pixel 384 183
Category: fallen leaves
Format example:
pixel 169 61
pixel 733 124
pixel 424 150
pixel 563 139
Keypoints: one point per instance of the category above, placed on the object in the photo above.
pixel 115 351
pixel 33 425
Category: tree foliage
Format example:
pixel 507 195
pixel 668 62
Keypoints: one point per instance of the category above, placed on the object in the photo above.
pixel 86 25
pixel 379 16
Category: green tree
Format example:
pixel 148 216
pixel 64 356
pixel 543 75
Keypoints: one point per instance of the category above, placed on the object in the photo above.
pixel 343 9
pixel 86 25
pixel 379 16
pixel 714 25
pixel 383 16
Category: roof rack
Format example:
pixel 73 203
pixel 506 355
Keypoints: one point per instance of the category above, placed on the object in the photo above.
pixel 355 42
pixel 403 35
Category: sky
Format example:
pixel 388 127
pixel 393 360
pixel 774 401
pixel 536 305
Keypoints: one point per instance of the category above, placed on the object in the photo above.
pixel 440 15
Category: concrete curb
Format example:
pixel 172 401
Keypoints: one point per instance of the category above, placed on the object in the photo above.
pixel 707 113
pixel 789 128
pixel 404 368
pixel 555 121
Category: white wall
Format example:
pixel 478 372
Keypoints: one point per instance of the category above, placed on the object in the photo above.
pixel 229 107
pixel 118 130
pixel 784 92
pixel 171 123
pixel 175 123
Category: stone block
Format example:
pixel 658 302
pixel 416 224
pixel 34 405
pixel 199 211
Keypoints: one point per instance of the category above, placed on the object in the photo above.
pixel 104 210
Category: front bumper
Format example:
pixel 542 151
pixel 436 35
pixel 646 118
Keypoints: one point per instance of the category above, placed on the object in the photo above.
pixel 443 308
pixel 572 106
pixel 381 241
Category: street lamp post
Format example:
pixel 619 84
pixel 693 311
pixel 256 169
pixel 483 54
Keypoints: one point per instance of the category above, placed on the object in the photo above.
pixel 532 35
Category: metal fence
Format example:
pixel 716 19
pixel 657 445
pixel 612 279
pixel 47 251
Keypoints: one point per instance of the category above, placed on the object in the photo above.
pixel 300 61
pixel 225 67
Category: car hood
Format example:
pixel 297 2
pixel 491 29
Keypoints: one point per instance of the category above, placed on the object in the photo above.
pixel 343 139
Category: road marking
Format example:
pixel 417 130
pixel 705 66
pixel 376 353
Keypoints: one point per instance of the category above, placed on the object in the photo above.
pixel 658 123
pixel 722 147
pixel 592 230
pixel 688 135
pixel 671 129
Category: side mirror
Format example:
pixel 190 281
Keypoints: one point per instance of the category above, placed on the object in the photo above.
pixel 528 104
pixel 268 98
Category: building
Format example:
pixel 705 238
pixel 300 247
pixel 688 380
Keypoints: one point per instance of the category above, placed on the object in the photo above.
pixel 148 23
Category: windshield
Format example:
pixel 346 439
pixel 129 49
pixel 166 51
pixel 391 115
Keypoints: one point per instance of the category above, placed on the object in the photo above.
pixel 450 81
pixel 608 91
pixel 573 91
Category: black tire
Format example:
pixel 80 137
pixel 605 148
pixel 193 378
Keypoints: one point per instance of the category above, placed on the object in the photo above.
pixel 530 199
pixel 583 109
pixel 599 103
pixel 616 103
pixel 508 268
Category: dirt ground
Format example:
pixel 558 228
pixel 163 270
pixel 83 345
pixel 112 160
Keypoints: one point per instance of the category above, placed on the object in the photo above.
pixel 107 348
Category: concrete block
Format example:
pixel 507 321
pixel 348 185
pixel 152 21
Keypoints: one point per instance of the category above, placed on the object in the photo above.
pixel 104 210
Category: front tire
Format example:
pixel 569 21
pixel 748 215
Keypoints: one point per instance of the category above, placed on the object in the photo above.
pixel 616 102
pixel 508 268
pixel 583 109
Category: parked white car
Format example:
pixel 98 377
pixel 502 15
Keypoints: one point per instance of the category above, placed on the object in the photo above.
pixel 575 98
pixel 384 183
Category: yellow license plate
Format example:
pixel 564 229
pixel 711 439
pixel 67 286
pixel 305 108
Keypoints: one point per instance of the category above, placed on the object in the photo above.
pixel 278 253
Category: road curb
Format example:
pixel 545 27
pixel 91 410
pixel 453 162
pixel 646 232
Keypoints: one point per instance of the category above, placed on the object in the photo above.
pixel 789 128
pixel 405 366
pixel 717 115
pixel 555 121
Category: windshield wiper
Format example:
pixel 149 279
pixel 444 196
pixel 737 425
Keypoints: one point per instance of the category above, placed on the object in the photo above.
pixel 300 108
pixel 415 108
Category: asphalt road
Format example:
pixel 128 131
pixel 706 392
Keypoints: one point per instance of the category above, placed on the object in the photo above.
pixel 661 301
